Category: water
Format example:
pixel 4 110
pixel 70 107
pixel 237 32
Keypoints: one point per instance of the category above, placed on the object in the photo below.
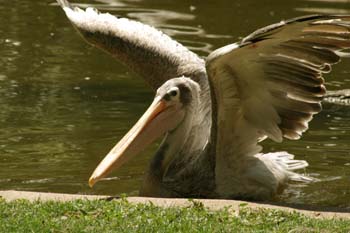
pixel 64 104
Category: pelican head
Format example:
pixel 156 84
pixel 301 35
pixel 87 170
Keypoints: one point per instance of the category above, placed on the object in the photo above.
pixel 170 109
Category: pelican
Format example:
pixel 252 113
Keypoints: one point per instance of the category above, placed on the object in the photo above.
pixel 213 113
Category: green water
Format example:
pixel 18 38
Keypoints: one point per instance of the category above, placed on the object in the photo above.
pixel 63 104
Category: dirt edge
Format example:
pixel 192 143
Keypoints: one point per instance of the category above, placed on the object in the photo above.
pixel 212 204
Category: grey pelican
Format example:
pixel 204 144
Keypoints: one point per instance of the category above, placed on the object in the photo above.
pixel 213 113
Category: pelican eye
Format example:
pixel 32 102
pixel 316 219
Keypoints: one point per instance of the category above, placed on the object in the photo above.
pixel 173 93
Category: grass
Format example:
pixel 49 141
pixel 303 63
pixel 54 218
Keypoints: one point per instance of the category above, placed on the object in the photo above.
pixel 122 216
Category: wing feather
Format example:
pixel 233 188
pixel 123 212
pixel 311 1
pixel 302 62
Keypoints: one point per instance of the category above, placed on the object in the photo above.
pixel 147 51
pixel 270 84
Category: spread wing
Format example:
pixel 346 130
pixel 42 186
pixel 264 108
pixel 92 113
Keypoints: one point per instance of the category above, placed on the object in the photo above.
pixel 270 84
pixel 144 49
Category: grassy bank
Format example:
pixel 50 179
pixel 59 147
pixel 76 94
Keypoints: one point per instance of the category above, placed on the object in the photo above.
pixel 121 216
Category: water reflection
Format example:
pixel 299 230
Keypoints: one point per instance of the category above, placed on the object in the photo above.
pixel 64 104
pixel 329 1
pixel 323 10
pixel 325 7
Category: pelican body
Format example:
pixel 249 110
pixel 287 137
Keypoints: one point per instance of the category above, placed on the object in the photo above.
pixel 213 113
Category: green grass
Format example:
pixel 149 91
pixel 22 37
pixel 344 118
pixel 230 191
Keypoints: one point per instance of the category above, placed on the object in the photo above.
pixel 121 216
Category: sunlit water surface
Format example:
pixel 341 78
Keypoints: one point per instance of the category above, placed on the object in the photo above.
pixel 64 104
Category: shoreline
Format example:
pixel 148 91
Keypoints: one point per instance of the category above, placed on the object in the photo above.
pixel 211 204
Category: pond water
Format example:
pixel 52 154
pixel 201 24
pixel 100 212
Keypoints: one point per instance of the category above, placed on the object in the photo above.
pixel 64 104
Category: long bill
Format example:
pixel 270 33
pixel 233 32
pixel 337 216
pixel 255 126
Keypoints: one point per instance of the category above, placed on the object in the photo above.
pixel 148 128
